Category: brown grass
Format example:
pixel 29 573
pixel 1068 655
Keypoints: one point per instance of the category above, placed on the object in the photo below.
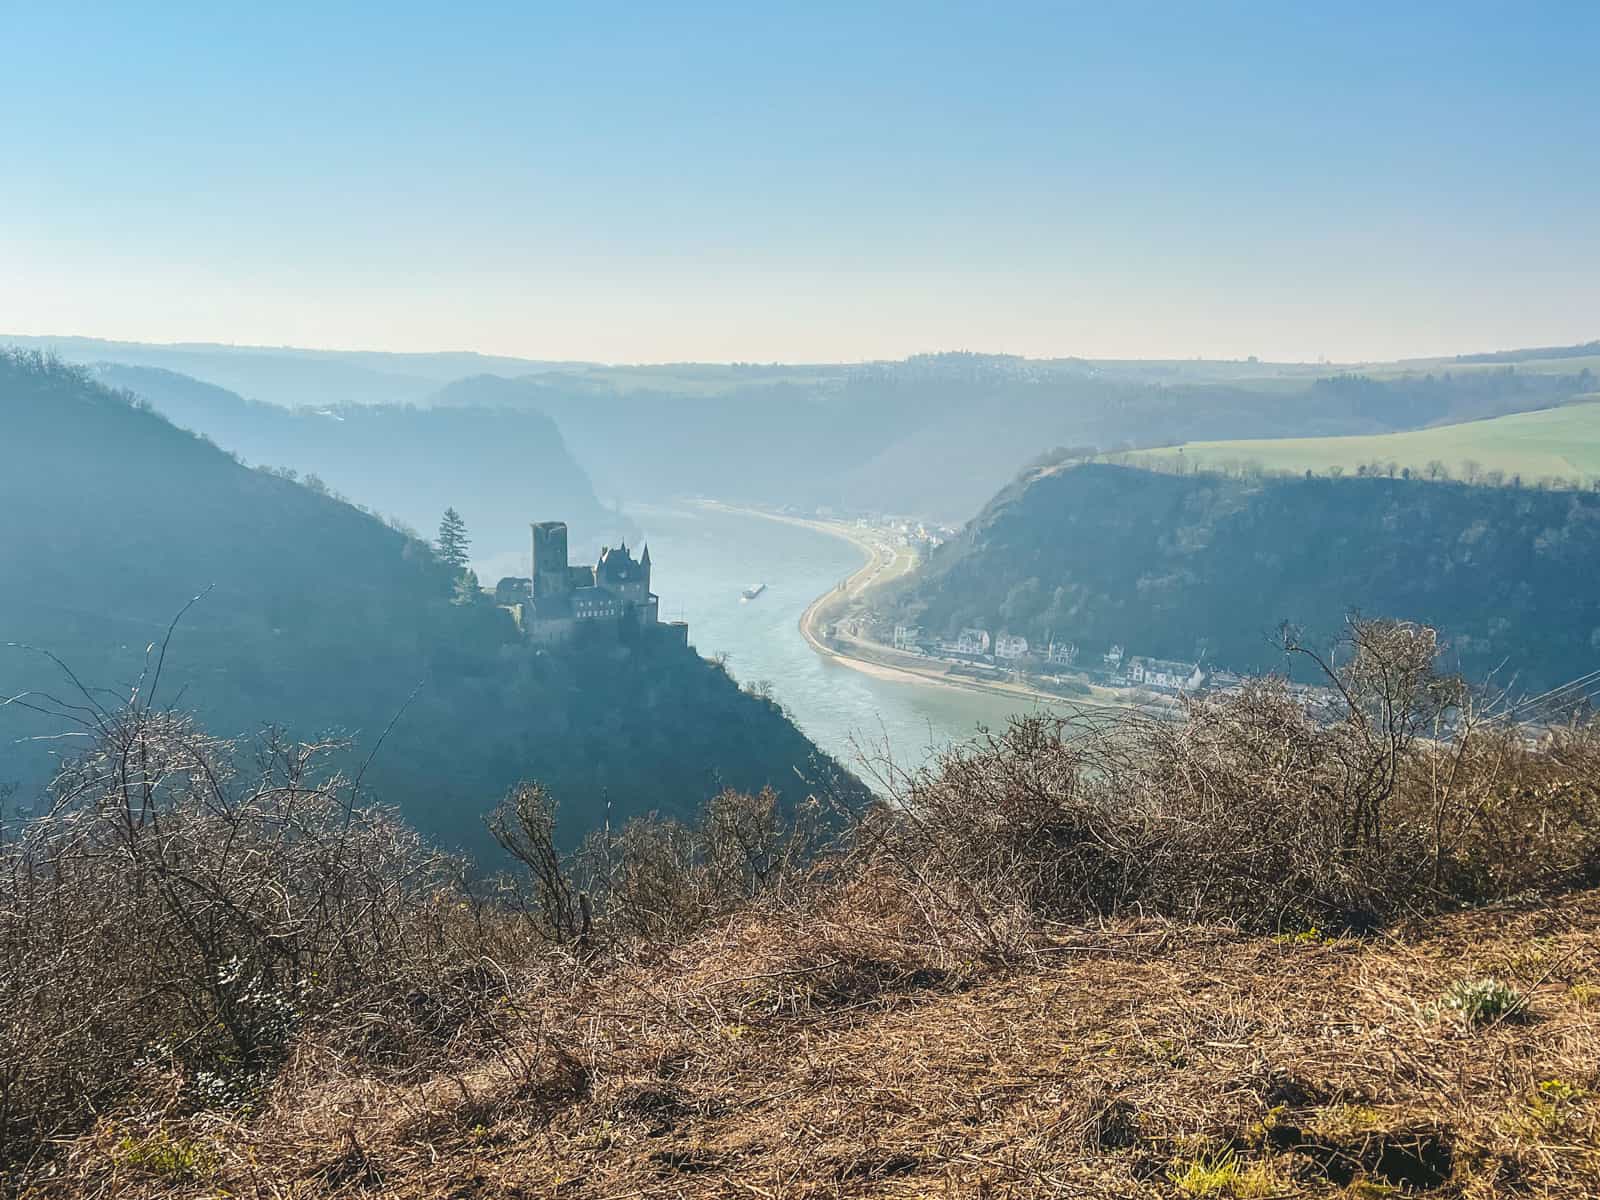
pixel 837 1056
pixel 1065 961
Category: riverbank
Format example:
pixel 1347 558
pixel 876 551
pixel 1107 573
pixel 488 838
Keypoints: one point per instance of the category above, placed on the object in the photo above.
pixel 884 562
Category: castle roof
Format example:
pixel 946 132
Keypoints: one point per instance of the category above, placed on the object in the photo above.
pixel 617 565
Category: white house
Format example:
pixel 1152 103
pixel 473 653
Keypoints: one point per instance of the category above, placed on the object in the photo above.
pixel 1165 673
pixel 1010 646
pixel 973 641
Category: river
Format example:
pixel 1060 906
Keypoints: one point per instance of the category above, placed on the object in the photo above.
pixel 701 559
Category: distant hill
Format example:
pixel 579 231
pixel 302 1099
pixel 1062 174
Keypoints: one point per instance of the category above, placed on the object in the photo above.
pixel 1555 442
pixel 937 436
pixel 1176 565
pixel 934 435
pixel 500 468
pixel 287 375
pixel 1585 350
pixel 323 618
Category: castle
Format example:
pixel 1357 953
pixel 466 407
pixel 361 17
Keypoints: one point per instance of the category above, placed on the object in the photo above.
pixel 616 590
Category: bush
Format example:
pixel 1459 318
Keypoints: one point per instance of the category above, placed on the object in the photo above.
pixel 655 879
pixel 170 914
pixel 1408 794
pixel 185 917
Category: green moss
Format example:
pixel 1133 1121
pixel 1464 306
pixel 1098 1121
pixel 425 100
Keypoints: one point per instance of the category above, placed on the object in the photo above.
pixel 1224 1176
pixel 1343 1121
pixel 1548 1109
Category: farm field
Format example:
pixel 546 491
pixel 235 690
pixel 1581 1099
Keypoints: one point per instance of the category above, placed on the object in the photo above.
pixel 1555 441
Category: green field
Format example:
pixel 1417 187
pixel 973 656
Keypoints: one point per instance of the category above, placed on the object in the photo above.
pixel 1561 442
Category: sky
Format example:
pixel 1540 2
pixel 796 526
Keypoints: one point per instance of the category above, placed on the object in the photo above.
pixel 812 182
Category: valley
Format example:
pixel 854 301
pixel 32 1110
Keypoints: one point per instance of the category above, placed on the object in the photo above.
pixel 800 602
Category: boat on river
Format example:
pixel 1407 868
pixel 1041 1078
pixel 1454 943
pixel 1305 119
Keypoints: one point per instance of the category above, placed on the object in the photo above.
pixel 751 592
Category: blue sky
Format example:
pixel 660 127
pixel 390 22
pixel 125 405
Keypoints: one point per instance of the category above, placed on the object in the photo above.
pixel 816 182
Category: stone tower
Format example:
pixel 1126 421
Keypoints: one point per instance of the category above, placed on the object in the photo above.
pixel 550 575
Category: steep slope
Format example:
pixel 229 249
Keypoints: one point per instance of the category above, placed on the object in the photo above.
pixel 500 468
pixel 323 618
pixel 1173 565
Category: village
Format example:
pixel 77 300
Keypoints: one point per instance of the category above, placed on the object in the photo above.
pixel 1057 666
pixel 849 625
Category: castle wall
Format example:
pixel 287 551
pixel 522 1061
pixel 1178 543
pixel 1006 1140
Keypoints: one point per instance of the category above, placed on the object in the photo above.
pixel 551 631
pixel 566 596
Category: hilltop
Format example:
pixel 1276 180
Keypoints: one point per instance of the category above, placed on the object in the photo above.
pixel 322 618
pixel 1177 566
pixel 864 435
pixel 1546 444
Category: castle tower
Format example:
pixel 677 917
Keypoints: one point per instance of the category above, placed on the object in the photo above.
pixel 550 575
pixel 644 562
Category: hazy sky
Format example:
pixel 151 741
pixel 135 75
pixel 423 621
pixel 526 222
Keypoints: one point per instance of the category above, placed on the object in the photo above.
pixel 829 182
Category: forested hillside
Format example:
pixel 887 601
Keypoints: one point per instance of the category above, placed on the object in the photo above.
pixel 864 436
pixel 1179 565
pixel 500 468
pixel 322 618
pixel 938 435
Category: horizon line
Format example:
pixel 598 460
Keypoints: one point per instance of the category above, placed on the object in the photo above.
pixel 263 347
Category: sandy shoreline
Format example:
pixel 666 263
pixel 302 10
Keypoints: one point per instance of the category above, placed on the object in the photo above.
pixel 858 582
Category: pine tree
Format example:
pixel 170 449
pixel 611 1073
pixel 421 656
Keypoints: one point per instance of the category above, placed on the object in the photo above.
pixel 453 540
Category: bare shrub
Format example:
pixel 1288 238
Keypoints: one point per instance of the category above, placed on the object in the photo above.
pixel 655 879
pixel 524 825
pixel 186 917
pixel 1023 824
pixel 660 880
pixel 170 914
pixel 1267 807
pixel 1512 812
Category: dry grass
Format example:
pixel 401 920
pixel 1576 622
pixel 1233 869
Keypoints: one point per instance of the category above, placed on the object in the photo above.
pixel 1066 962
pixel 837 1055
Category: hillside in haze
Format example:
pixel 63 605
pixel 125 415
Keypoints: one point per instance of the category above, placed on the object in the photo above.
pixel 1175 566
pixel 322 618
pixel 936 436
pixel 286 375
pixel 500 468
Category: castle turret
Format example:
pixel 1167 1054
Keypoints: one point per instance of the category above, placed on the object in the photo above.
pixel 550 576
pixel 644 562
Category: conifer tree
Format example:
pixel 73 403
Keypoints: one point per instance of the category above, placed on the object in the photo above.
pixel 453 540
pixel 467 588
